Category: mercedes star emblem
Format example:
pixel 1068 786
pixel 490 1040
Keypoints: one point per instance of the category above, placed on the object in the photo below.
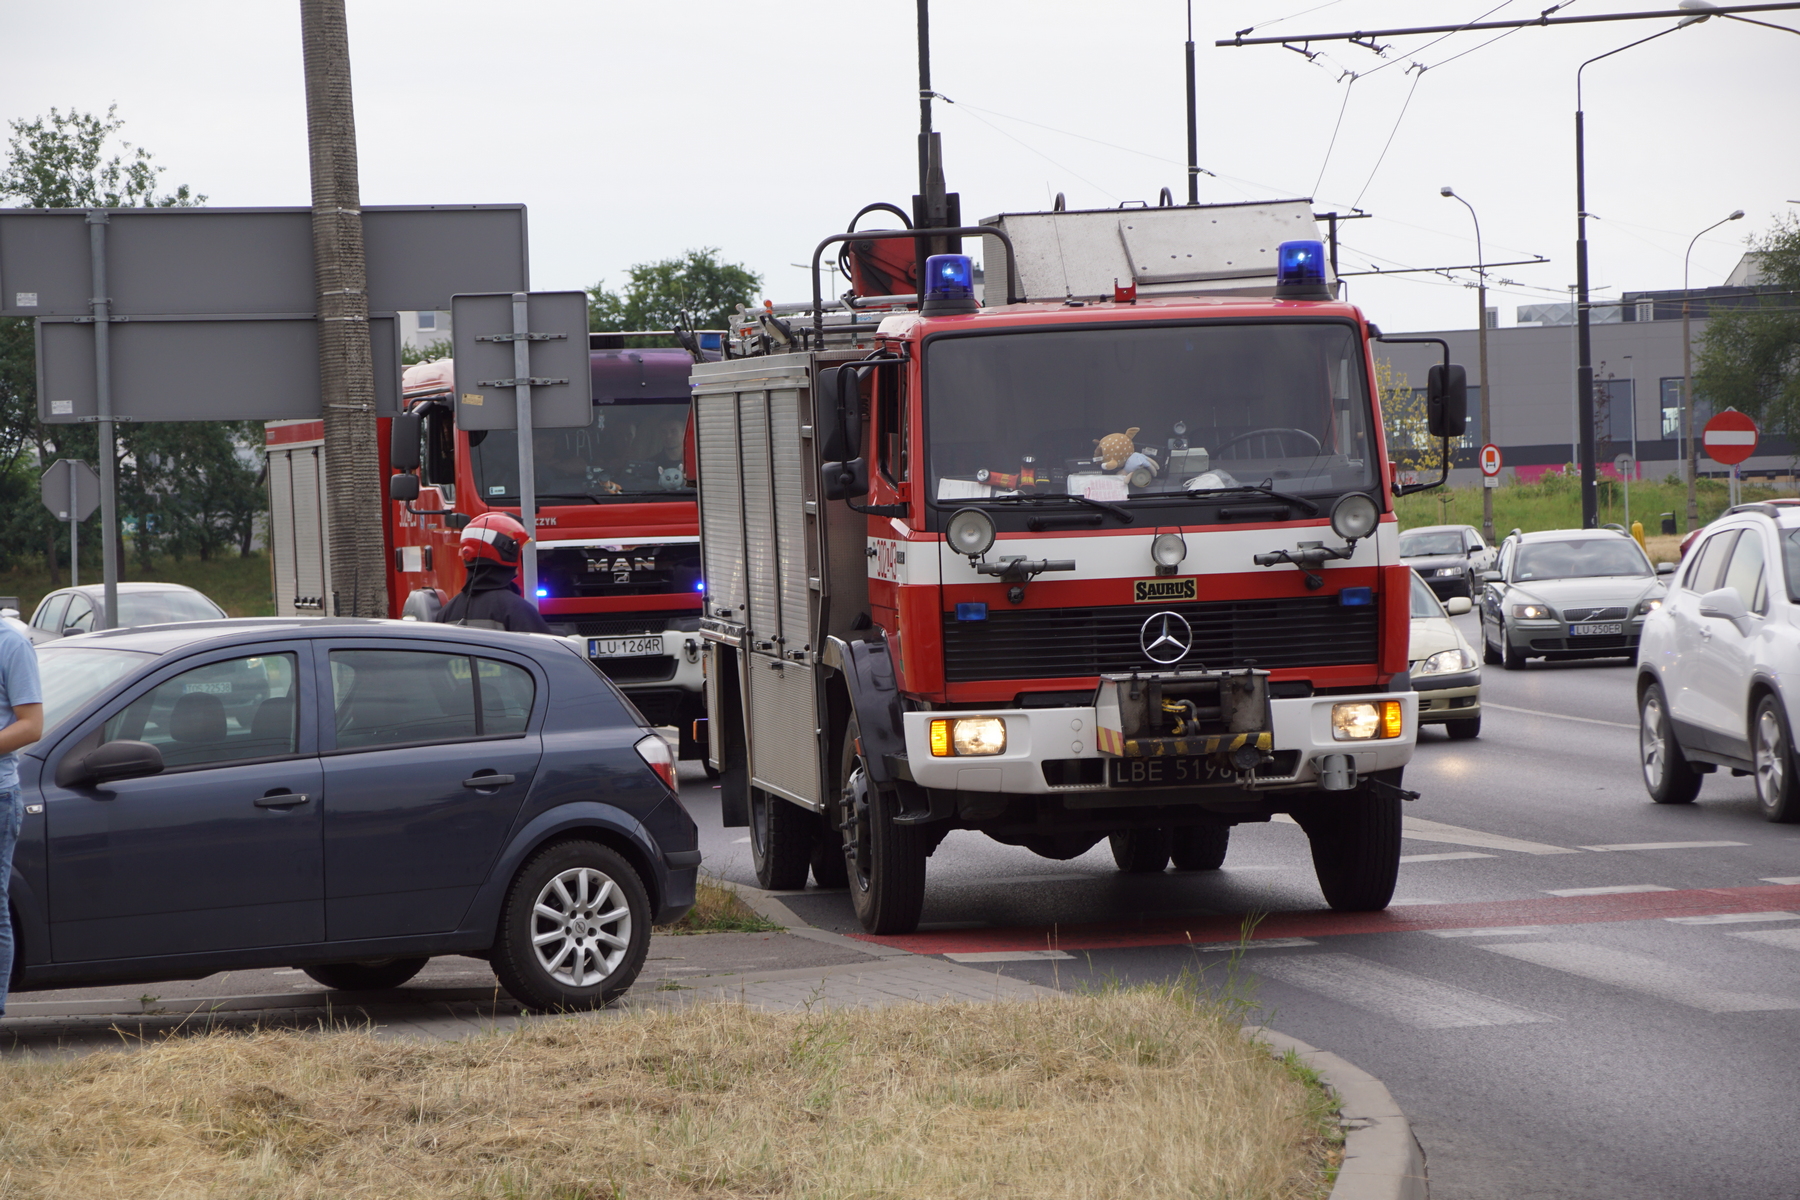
pixel 1166 638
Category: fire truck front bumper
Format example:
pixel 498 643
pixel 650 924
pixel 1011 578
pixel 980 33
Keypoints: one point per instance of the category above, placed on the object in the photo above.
pixel 1043 751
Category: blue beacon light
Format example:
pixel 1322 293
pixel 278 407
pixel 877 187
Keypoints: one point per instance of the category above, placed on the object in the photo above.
pixel 542 593
pixel 1300 271
pixel 949 285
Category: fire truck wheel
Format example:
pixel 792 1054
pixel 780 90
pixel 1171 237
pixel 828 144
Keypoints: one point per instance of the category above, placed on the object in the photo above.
pixel 375 975
pixel 1200 847
pixel 781 841
pixel 574 930
pixel 1140 851
pixel 829 868
pixel 884 862
pixel 1355 840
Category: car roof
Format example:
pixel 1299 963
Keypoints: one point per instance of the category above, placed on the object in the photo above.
pixel 1569 535
pixel 160 639
pixel 97 590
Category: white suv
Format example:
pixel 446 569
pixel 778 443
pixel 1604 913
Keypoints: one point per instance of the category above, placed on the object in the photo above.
pixel 1719 663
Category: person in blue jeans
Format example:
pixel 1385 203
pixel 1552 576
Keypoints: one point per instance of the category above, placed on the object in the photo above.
pixel 21 723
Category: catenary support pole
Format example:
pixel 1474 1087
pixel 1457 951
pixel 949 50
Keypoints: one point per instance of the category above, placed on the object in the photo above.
pixel 354 493
pixel 1193 124
pixel 109 467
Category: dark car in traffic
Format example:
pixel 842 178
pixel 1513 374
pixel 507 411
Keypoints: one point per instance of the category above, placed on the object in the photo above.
pixel 388 791
pixel 1449 558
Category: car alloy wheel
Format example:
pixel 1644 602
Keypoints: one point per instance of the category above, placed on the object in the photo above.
pixel 581 927
pixel 575 928
pixel 1667 776
pixel 1775 782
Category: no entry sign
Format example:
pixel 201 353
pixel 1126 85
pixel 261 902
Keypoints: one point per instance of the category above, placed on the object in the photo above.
pixel 1729 438
pixel 1490 459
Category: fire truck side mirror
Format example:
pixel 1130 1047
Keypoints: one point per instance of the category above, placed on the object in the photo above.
pixel 1446 400
pixel 840 413
pixel 403 443
pixel 403 487
pixel 845 480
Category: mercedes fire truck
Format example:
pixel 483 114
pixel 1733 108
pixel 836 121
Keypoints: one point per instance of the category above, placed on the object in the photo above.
pixel 617 545
pixel 1109 553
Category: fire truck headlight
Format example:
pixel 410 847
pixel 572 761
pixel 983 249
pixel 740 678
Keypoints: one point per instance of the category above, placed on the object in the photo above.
pixel 1354 516
pixel 1363 721
pixel 1168 549
pixel 968 737
pixel 970 531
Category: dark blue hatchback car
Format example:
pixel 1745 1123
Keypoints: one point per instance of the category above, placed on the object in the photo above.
pixel 349 797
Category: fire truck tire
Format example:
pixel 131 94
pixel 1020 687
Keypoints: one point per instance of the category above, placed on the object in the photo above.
pixel 829 868
pixel 1140 851
pixel 1355 840
pixel 1200 847
pixel 782 835
pixel 884 862
pixel 372 976
pixel 574 929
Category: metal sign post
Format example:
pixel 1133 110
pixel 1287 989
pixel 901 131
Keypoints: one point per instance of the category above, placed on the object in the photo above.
pixel 109 464
pixel 1626 466
pixel 71 491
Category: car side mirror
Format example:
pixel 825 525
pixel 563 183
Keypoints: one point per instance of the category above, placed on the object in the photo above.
pixel 1724 603
pixel 1456 606
pixel 109 762
pixel 845 480
pixel 403 487
pixel 1446 400
pixel 1490 577
pixel 403 443
pixel 1665 568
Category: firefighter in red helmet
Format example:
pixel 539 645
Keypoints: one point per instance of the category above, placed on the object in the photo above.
pixel 490 597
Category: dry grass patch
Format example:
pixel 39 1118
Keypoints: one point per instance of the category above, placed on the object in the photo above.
pixel 1148 1093
pixel 719 909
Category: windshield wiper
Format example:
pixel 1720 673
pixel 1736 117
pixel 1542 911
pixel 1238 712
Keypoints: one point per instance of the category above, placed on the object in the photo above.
pixel 1261 489
pixel 1032 497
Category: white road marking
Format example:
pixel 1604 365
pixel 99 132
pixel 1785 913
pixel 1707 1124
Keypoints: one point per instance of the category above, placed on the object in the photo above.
pixel 1394 994
pixel 1787 939
pixel 1451 857
pixel 1622 889
pixel 294 971
pixel 1510 931
pixel 743 841
pixel 1787 880
pixel 1536 712
pixel 1735 918
pixel 1421 830
pixel 996 956
pixel 1265 944
pixel 1641 973
pixel 1662 845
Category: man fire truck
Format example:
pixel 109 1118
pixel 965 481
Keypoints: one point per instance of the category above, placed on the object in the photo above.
pixel 617 544
pixel 1110 556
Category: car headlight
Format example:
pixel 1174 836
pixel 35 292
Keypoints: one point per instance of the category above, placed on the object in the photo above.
pixel 1445 662
pixel 1449 571
pixel 1365 720
pixel 1646 607
pixel 1532 612
pixel 968 737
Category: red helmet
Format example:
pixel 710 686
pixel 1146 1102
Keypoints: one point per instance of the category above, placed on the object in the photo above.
pixel 495 536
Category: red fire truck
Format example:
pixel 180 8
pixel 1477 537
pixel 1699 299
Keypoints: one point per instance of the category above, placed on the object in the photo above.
pixel 618 552
pixel 1112 555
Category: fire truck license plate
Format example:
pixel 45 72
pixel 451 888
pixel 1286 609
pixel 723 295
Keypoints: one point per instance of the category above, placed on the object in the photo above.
pixel 1165 772
pixel 1608 627
pixel 625 647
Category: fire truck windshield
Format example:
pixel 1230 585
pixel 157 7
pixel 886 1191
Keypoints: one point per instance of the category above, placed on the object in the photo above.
pixel 628 451
pixel 1121 413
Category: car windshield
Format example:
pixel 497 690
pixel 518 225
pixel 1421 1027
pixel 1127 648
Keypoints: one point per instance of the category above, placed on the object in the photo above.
pixel 1424 602
pixel 155 608
pixel 1120 413
pixel 630 449
pixel 1581 558
pixel 1418 545
pixel 73 675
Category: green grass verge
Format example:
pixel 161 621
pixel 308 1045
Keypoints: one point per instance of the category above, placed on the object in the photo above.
pixel 1555 503
pixel 240 586
pixel 719 909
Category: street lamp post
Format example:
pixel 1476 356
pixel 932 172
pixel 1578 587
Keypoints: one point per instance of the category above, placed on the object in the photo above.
pixel 1487 427
pixel 1687 373
pixel 1584 369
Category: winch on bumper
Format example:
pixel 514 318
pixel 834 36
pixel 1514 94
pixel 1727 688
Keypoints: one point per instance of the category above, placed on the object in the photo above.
pixel 1176 729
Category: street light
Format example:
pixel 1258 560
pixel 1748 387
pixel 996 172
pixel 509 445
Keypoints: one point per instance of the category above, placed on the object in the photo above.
pixel 1584 370
pixel 1687 371
pixel 1487 429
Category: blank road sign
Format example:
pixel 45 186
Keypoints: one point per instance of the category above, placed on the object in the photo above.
pixel 1730 437
pixel 53 486
pixel 485 396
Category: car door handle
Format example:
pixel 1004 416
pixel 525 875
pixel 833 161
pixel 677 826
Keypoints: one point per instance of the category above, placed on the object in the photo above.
pixel 282 800
pixel 487 781
pixel 1706 631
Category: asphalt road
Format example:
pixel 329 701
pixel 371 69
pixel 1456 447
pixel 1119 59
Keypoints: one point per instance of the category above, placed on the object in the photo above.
pixel 1640 1042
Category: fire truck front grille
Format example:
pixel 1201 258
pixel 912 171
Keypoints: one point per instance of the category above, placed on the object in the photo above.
pixel 1061 643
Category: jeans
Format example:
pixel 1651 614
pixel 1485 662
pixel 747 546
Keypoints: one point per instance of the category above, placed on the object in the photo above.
pixel 12 815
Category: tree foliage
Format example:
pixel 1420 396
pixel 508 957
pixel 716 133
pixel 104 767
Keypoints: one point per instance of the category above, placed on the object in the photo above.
pixel 183 487
pixel 695 291
pixel 1406 421
pixel 1749 358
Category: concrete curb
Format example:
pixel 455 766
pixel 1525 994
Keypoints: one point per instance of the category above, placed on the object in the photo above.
pixel 1382 1158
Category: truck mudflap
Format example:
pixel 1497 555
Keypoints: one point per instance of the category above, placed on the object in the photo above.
pixel 868 675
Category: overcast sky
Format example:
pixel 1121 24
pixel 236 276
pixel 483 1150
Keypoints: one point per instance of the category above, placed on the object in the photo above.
pixel 634 131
